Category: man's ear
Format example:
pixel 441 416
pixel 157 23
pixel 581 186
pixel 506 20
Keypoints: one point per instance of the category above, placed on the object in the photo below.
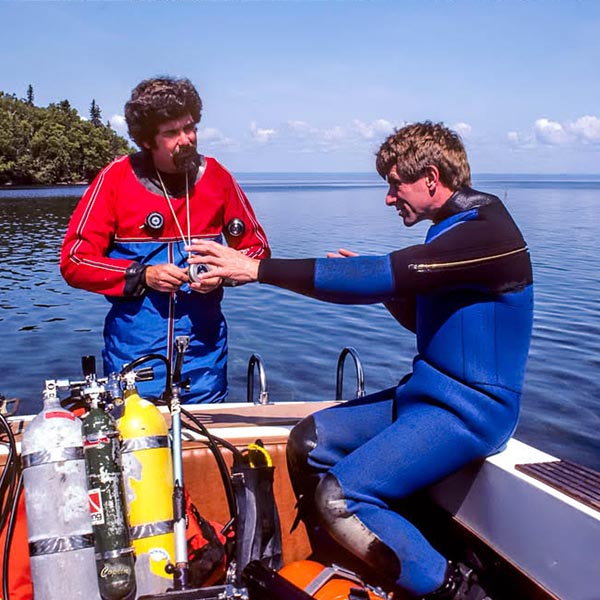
pixel 432 178
pixel 432 175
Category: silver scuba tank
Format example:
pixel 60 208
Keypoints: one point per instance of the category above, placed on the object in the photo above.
pixel 59 525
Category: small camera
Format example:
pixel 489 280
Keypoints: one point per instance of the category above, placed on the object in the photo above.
pixel 196 270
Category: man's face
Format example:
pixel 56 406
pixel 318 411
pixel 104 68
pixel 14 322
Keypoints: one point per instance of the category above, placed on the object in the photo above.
pixel 413 201
pixel 174 139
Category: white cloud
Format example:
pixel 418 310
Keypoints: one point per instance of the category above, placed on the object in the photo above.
pixel 334 137
pixel 118 123
pixel 300 136
pixel 261 135
pixel 513 137
pixel 586 128
pixel 300 126
pixel 463 129
pixel 215 138
pixel 334 134
pixel 314 138
pixel 519 139
pixel 550 132
pixel 374 129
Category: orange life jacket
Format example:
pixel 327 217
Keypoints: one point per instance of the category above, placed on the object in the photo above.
pixel 19 574
pixel 205 547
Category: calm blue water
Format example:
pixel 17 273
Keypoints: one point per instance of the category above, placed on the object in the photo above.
pixel 45 326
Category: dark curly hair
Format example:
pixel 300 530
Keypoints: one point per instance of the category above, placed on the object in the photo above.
pixel 411 149
pixel 155 101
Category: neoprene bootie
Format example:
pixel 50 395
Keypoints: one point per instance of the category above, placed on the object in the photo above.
pixel 461 584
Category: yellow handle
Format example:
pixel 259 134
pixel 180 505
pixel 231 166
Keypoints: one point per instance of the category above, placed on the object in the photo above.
pixel 252 448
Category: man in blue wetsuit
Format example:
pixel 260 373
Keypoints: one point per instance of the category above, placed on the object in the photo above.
pixel 467 294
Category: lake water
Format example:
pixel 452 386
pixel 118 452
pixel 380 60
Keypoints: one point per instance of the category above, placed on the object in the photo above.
pixel 45 326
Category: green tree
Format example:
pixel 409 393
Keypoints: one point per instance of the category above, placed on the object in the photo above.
pixel 52 145
pixel 50 151
pixel 29 98
pixel 95 114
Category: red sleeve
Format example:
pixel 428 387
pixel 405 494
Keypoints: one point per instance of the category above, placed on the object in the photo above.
pixel 253 241
pixel 83 259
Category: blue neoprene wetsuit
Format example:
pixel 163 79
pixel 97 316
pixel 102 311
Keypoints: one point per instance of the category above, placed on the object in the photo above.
pixel 467 294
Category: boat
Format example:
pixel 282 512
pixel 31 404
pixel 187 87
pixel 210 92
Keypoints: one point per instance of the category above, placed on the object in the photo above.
pixel 529 521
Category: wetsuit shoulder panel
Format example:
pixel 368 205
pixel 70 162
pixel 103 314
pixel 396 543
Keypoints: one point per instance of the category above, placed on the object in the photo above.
pixel 481 248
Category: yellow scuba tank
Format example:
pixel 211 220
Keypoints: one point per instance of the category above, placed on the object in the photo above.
pixel 148 477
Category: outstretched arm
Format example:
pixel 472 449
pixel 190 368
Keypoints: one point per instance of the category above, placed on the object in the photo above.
pixel 223 262
pixel 358 280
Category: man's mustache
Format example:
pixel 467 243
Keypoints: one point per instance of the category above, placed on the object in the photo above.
pixel 185 157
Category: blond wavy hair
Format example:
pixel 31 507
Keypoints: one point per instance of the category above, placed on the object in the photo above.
pixel 411 149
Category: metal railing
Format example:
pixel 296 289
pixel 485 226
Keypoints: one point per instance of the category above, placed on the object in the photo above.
pixel 263 398
pixel 360 377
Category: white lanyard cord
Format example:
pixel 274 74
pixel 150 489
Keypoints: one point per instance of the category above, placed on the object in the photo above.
pixel 187 241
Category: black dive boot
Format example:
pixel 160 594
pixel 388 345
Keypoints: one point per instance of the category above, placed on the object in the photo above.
pixel 461 584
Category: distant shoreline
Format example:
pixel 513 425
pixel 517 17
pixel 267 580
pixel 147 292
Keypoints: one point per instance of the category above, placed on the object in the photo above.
pixel 13 186
pixel 264 181
pixel 352 174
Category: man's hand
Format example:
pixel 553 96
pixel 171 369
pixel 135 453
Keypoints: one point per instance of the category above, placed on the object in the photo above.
pixel 342 253
pixel 223 261
pixel 206 285
pixel 165 278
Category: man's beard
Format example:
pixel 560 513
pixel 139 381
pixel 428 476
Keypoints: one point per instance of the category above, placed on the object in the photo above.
pixel 185 158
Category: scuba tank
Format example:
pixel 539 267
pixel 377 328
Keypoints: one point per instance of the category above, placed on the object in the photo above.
pixel 148 477
pixel 61 542
pixel 115 560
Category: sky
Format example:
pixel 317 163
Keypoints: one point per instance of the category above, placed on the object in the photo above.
pixel 317 85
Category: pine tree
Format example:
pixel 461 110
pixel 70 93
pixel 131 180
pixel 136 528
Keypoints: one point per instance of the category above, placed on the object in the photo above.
pixel 95 115
pixel 29 98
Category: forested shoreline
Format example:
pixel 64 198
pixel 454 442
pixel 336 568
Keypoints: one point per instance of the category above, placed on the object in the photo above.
pixel 53 145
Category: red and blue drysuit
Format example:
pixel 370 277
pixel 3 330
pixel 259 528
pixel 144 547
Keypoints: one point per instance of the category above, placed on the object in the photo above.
pixel 108 245
pixel 467 294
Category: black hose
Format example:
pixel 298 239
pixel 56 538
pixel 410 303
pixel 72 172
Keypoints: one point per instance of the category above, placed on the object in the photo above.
pixel 9 533
pixel 10 488
pixel 146 358
pixel 9 473
pixel 212 441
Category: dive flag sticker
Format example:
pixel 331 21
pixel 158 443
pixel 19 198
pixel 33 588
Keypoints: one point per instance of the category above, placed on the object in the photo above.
pixel 95 439
pixel 96 510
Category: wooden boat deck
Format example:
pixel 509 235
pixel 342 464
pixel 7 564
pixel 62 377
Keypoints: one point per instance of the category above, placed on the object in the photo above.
pixel 571 479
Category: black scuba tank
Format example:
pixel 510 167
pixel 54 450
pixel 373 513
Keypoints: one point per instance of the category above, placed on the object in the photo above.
pixel 115 560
